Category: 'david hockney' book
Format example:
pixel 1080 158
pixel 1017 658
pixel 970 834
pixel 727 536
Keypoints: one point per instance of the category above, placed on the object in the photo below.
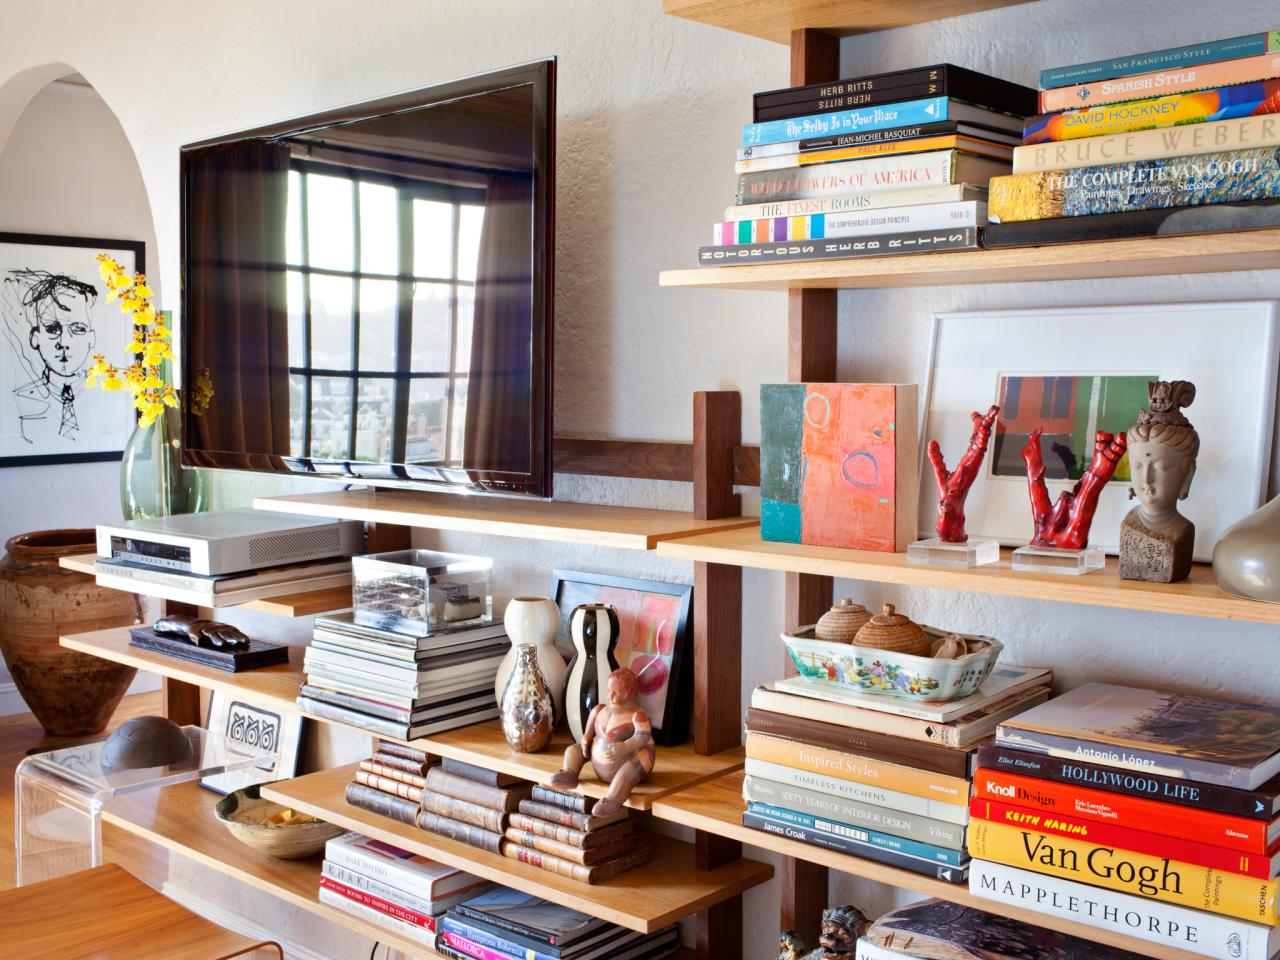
pixel 1171 734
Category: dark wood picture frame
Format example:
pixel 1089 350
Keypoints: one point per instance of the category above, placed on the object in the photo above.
pixel 570 588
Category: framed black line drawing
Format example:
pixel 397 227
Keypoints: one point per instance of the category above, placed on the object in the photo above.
pixel 259 730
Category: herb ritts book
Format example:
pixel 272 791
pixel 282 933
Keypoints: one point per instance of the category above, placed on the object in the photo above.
pixel 1211 741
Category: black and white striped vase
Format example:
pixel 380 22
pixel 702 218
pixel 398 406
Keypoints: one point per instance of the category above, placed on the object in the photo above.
pixel 594 629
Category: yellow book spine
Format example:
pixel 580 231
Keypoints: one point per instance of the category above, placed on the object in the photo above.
pixel 1202 888
pixel 917 145
pixel 847 766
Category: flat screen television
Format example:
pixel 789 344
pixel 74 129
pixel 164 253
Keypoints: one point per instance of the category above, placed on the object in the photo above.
pixel 368 291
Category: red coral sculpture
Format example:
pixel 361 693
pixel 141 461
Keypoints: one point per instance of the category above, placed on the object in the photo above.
pixel 1066 524
pixel 953 486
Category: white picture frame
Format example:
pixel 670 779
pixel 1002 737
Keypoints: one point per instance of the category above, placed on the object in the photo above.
pixel 260 729
pixel 1228 350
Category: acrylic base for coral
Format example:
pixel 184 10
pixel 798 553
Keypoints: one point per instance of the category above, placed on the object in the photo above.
pixel 1072 563
pixel 936 552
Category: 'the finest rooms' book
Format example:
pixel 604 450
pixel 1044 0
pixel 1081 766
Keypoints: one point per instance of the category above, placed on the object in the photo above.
pixel 1212 741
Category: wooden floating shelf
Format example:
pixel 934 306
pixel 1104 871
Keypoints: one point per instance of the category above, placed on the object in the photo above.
pixel 602 526
pixel 664 891
pixel 775 19
pixel 1198 596
pixel 1099 259
pixel 181 819
pixel 716 807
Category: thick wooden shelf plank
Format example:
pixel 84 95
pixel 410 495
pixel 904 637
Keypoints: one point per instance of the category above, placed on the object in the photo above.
pixel 181 819
pixel 603 526
pixel 1139 257
pixel 775 19
pixel 1198 596
pixel 716 807
pixel 484 745
pixel 667 889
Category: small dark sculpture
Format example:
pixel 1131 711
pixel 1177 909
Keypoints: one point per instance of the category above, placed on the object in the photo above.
pixel 145 742
pixel 202 633
pixel 841 927
pixel 1065 524
pixel 953 485
pixel 619 741
pixel 790 946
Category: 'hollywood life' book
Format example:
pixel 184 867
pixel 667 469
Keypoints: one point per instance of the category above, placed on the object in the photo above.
pixel 1171 734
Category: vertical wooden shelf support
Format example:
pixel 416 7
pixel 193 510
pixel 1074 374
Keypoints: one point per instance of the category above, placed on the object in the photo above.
pixel 181 700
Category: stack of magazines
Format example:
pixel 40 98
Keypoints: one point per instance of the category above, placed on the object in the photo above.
pixel 400 686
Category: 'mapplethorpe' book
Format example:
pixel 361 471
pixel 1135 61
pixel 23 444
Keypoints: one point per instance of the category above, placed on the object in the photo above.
pixel 1170 734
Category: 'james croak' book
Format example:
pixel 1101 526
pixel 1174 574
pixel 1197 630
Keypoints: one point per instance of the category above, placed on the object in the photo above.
pixel 1212 741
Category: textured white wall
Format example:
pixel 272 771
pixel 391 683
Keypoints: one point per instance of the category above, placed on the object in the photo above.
pixel 649 109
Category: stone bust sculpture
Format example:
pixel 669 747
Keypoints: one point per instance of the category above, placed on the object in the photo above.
pixel 1155 540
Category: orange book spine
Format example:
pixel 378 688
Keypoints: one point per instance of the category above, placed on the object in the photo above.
pixel 847 766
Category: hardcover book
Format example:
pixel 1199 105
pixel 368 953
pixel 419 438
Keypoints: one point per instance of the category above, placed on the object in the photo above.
pixel 852 202
pixel 392 773
pixel 586 822
pixel 1214 741
pixel 925 851
pixel 392 728
pixel 783 161
pixel 498 798
pixel 530 916
pixel 937 216
pixel 399 868
pixel 470 771
pixel 606 942
pixel 944 128
pixel 570 835
pixel 1247 46
pixel 396 788
pixel 636 856
pixel 1161 82
pixel 871 175
pixel 840 248
pixel 1218 218
pixel 410 930
pixel 927 110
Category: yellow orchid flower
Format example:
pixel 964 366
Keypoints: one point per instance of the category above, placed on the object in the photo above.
pixel 112 383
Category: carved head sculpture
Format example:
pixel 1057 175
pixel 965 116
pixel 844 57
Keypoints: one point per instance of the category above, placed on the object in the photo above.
pixel 841 927
pixel 623 687
pixel 790 946
pixel 1162 450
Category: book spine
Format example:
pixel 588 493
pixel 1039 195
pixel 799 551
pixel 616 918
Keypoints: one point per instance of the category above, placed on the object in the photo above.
pixel 468 833
pixel 1220 103
pixel 463 811
pixel 852 203
pixel 857 717
pixel 569 818
pixel 393 773
pixel 469 771
pixel 418 934
pixel 393 873
pixel 544 861
pixel 1139 841
pixel 818 226
pixel 867 817
pixel 847 766
pixel 544 828
pixel 498 798
pixel 1243 133
pixel 1152 184
pixel 394 761
pixel 846 121
pixel 852 176
pixel 840 248
pixel 587 856
pixel 1129 758
pixel 1151 920
pixel 1184 221
pixel 1123 810
pixel 900 147
pixel 1161 82
pixel 367 798
pixel 1202 888
pixel 844 88
pixel 513 928
pixel 417 760
pixel 396 788
pixel 865 743
pixel 1247 46
pixel 376 725
pixel 1251 804
pixel 859 792
pixel 820 838
pixel 847 101
pixel 483 937
pixel 359 704
pixel 884 841
pixel 373 902
pixel 558 798
pixel 376 888
pixel 943 128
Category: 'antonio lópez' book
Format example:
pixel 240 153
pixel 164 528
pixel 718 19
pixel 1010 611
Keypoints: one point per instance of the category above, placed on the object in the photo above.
pixel 1214 741
pixel 1152 920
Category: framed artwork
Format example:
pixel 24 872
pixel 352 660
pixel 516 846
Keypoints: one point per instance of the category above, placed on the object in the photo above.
pixel 1075 371
pixel 55 316
pixel 262 730
pixel 655 640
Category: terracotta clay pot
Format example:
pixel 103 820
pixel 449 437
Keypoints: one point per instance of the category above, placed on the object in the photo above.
pixel 72 694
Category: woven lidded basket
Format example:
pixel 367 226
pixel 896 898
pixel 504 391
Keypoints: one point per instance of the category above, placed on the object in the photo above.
pixel 842 622
pixel 894 632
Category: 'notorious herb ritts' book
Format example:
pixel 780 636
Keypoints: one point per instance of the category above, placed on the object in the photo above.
pixel 1211 741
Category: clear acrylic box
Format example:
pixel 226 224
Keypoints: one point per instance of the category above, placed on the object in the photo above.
pixel 59 797
pixel 420 592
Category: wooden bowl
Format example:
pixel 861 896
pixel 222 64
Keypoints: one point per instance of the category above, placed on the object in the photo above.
pixel 245 814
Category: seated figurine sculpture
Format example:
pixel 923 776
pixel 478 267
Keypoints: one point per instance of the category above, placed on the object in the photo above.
pixel 619 742
pixel 202 633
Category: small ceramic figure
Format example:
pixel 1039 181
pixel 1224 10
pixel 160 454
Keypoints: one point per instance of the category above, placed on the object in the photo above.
pixel 594 629
pixel 841 927
pixel 526 709
pixel 202 633
pixel 953 486
pixel 1065 524
pixel 619 742
pixel 1156 541
pixel 790 946
pixel 533 620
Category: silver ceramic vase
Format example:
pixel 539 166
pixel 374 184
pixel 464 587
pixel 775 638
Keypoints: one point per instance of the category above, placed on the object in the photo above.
pixel 527 709
pixel 1246 560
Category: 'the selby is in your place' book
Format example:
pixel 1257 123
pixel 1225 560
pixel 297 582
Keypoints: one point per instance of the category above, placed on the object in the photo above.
pixel 1212 741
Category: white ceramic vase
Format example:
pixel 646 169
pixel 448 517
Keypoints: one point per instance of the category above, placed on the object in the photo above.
pixel 534 620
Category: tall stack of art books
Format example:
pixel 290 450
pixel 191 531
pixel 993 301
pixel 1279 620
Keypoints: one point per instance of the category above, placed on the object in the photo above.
pixel 887 163
pixel 877 777
pixel 1144 813
pixel 1167 142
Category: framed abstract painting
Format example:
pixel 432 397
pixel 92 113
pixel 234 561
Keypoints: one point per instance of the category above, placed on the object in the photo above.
pixel 655 640
pixel 55 316
pixel 1080 370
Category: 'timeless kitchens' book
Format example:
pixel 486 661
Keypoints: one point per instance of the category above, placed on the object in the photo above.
pixel 1212 741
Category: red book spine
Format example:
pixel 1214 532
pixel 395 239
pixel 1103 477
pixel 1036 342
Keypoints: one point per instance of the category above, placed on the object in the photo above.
pixel 382 906
pixel 1124 838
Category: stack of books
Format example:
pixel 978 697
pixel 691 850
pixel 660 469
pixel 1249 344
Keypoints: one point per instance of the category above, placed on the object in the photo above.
pixel 392 888
pixel 1168 142
pixel 1144 813
pixel 877 777
pixel 398 685
pixel 506 924
pixel 502 814
pixel 886 163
